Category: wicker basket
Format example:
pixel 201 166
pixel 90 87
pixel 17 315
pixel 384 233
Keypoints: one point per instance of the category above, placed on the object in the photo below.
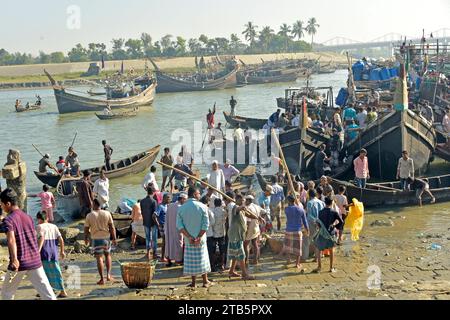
pixel 137 275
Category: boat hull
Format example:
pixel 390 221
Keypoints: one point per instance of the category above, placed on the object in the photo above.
pixel 168 84
pixel 389 136
pixel 70 103
pixel 289 76
pixel 379 194
pixel 120 168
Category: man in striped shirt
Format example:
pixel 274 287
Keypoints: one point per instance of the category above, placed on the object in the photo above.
pixel 24 257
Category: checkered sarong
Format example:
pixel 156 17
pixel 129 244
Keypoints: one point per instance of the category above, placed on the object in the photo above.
pixel 236 251
pixel 196 259
pixel 293 243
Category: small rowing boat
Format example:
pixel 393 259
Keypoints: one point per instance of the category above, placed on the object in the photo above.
pixel 132 165
pixel 119 115
pixel 29 108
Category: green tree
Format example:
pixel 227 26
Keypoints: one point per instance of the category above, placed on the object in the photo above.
pixel 235 43
pixel 311 29
pixel 194 46
pixel 147 45
pixel 298 31
pixel 250 33
pixel 134 48
pixel 205 41
pixel 265 36
pixel 166 44
pixel 78 54
pixel 43 58
pixel 180 46
pixel 285 32
pixel 57 57
pixel 118 53
pixel 223 45
pixel 96 51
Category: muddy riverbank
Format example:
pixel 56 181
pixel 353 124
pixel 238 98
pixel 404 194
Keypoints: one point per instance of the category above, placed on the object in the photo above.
pixel 395 261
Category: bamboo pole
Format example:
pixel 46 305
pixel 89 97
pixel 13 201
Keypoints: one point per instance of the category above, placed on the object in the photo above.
pixel 283 161
pixel 199 180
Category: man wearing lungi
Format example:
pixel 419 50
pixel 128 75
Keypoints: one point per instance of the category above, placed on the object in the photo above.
pixel 296 220
pixel 192 223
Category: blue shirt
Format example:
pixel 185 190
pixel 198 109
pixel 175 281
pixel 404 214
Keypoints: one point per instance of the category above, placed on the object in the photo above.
pixel 264 201
pixel 313 208
pixel 278 194
pixel 179 176
pixel 296 218
pixel 193 217
pixel 350 113
pixel 161 213
pixel 352 134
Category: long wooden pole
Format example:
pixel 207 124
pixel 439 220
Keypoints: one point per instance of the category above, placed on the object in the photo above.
pixel 283 161
pixel 73 141
pixel 199 180
pixel 38 150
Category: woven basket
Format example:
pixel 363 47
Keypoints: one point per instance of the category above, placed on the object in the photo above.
pixel 275 245
pixel 137 275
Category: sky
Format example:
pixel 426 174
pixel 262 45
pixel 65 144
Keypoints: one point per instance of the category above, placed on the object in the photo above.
pixel 47 25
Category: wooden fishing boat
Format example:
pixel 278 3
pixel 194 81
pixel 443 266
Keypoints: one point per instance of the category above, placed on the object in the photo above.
pixel 269 76
pixel 222 80
pixel 390 193
pixel 132 165
pixel 245 123
pixel 119 115
pixel 29 108
pixel 386 138
pixel 68 102
pixel 443 151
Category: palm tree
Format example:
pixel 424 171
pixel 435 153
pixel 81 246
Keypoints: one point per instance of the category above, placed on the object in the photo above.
pixel 298 29
pixel 235 42
pixel 284 32
pixel 311 28
pixel 265 36
pixel 250 33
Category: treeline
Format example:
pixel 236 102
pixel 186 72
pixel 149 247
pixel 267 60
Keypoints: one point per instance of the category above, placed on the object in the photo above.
pixel 258 41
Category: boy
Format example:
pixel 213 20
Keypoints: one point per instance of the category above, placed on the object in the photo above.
pixel 219 231
pixel 342 203
pixel 48 239
pixel 161 220
pixel 47 202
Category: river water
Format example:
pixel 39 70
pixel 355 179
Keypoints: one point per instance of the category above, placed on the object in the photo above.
pixel 53 133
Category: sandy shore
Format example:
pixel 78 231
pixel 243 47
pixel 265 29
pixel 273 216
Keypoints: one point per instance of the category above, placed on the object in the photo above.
pixel 173 63
pixel 401 252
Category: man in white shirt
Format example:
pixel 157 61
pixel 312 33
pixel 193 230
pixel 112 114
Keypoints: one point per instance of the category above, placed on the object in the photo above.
pixel 362 117
pixel 253 230
pixel 150 178
pixel 405 170
pixel 238 134
pixel 446 122
pixel 216 178
pixel 229 171
pixel 101 190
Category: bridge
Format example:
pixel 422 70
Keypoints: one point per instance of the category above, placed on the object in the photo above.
pixel 340 44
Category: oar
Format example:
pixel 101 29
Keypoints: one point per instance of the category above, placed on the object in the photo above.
pixel 198 180
pixel 73 141
pixel 38 150
pixel 291 184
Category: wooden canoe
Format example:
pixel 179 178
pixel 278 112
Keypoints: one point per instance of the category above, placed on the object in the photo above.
pixel 390 193
pixel 132 165
pixel 69 103
pixel 30 108
pixel 386 138
pixel 119 115
pixel 169 83
pixel 245 123
pixel 250 77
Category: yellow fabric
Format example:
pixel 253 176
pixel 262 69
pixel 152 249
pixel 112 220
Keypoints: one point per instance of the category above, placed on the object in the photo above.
pixel 355 219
